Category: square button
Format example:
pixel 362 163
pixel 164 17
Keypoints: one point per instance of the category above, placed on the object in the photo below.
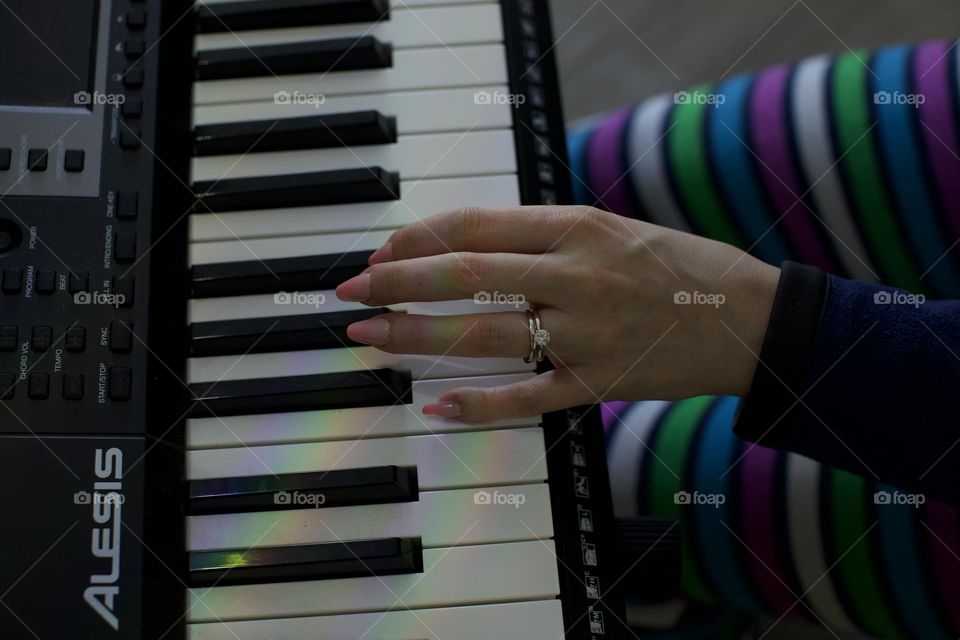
pixel 73 160
pixel 134 48
pixel 129 138
pixel 37 159
pixel 8 386
pixel 12 280
pixel 136 20
pixel 128 204
pixel 133 78
pixel 76 339
pixel 132 108
pixel 46 281
pixel 6 155
pixel 121 336
pixel 42 338
pixel 38 387
pixel 73 386
pixel 120 386
pixel 125 246
pixel 79 281
pixel 9 337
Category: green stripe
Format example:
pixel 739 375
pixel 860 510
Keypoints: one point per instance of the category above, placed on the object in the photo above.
pixel 851 92
pixel 689 164
pixel 667 470
pixel 849 493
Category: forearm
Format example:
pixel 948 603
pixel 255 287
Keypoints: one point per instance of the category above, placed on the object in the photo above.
pixel 860 377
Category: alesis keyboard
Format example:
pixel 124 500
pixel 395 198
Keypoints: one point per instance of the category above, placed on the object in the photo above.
pixel 190 446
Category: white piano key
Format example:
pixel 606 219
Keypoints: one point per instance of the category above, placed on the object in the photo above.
pixel 419 200
pixel 316 361
pixel 349 424
pixel 415 111
pixel 443 461
pixel 413 69
pixel 454 576
pixel 289 247
pixel 438 518
pixel 426 27
pixel 307 302
pixel 429 155
pixel 537 620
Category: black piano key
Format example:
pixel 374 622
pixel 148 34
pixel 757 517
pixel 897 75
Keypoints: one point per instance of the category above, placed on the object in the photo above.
pixel 277 14
pixel 311 132
pixel 342 186
pixel 337 488
pixel 372 388
pixel 306 562
pixel 286 333
pixel 320 56
pixel 276 275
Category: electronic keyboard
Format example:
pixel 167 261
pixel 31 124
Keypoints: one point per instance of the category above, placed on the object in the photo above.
pixel 190 445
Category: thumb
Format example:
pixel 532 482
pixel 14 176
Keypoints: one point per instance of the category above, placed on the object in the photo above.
pixel 550 391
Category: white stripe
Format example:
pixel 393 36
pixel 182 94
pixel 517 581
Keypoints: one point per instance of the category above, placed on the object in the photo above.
pixel 649 175
pixel 812 122
pixel 625 452
pixel 806 541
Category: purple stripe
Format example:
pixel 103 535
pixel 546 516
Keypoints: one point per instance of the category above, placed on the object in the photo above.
pixel 943 523
pixel 931 70
pixel 608 178
pixel 611 412
pixel 771 140
pixel 758 512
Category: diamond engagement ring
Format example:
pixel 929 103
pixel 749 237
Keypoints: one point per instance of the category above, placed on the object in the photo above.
pixel 539 337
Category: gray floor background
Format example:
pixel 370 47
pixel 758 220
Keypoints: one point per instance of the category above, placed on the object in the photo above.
pixel 613 52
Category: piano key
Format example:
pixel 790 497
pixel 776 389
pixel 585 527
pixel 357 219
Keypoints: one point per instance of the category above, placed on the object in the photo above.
pixel 368 184
pixel 419 201
pixel 430 27
pixel 322 244
pixel 413 69
pixel 437 518
pixel 443 460
pixel 336 390
pixel 350 424
pixel 330 561
pixel 432 155
pixel 408 3
pixel 329 361
pixel 335 130
pixel 308 302
pixel 456 576
pixel 281 333
pixel 536 620
pixel 292 58
pixel 257 14
pixel 328 489
pixel 415 111
pixel 276 275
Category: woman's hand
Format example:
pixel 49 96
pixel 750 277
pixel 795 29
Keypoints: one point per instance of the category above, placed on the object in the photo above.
pixel 635 311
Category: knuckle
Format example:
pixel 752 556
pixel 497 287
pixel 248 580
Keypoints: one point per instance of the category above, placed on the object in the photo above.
pixel 523 400
pixel 489 336
pixel 467 225
pixel 468 272
pixel 385 281
pixel 408 334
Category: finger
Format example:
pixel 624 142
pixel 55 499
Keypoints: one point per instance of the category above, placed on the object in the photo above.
pixel 479 335
pixel 535 229
pixel 550 391
pixel 458 276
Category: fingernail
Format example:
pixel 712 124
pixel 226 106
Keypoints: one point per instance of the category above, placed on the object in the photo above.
pixel 375 331
pixel 355 289
pixel 443 410
pixel 383 254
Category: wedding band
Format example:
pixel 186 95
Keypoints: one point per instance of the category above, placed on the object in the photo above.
pixel 539 337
